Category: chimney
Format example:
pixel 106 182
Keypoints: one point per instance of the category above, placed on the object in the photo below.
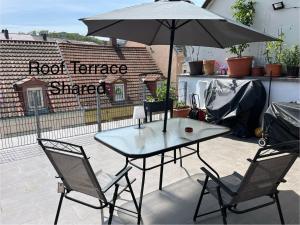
pixel 113 42
pixel 5 32
pixel 44 35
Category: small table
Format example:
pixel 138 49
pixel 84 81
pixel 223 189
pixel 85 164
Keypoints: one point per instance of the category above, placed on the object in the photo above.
pixel 143 143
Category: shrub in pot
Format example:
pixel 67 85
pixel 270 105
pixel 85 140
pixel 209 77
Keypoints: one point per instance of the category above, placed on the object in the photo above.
pixel 240 66
pixel 157 103
pixel 291 59
pixel 181 110
pixel 209 67
pixel 273 57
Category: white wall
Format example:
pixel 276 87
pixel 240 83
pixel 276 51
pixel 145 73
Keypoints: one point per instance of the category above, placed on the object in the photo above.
pixel 266 20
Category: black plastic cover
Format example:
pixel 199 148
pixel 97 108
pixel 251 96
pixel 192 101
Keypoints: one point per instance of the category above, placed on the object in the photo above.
pixel 282 122
pixel 237 104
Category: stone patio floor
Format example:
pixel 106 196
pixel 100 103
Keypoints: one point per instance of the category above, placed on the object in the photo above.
pixel 28 187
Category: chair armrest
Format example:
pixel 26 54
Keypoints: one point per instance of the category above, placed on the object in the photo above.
pixel 218 181
pixel 117 178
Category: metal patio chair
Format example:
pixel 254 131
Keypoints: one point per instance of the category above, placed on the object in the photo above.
pixel 74 170
pixel 265 173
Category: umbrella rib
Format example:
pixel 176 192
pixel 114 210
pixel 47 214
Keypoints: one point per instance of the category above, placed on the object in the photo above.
pixel 220 45
pixel 184 23
pixel 156 32
pixel 162 23
pixel 102 28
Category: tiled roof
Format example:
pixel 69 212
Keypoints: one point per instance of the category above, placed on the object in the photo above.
pixel 14 66
pixel 137 59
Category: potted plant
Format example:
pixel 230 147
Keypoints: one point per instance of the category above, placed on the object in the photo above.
pixel 157 103
pixel 239 66
pixel 181 110
pixel 273 57
pixel 291 59
pixel 209 67
pixel 196 65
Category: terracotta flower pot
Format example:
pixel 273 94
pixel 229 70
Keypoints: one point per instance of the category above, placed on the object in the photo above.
pixel 273 70
pixel 209 67
pixel 196 68
pixel 257 71
pixel 239 67
pixel 181 112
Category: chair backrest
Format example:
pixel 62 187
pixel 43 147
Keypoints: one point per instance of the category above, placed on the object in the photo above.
pixel 73 167
pixel 267 170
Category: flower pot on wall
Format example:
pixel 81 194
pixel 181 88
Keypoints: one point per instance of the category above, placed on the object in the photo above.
pixel 239 66
pixel 257 71
pixel 273 70
pixel 181 112
pixel 209 67
pixel 292 71
pixel 196 68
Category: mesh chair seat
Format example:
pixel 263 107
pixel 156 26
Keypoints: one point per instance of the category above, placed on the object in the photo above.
pixel 232 181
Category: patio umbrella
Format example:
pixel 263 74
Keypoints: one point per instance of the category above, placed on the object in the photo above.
pixel 169 23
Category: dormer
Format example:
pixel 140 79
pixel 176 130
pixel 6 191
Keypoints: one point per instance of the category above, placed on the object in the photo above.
pixel 116 87
pixel 32 93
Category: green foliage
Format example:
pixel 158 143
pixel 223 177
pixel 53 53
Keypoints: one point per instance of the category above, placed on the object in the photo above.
pixel 291 56
pixel 68 36
pixel 243 12
pixel 162 90
pixel 180 105
pixel 273 52
pixel 161 93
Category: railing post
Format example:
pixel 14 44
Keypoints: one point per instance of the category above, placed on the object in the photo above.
pixel 98 112
pixel 37 117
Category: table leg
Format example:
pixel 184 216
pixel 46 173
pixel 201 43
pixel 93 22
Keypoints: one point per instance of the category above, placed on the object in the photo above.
pixel 161 170
pixel 142 192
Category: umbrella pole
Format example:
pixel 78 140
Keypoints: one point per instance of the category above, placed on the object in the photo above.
pixel 169 74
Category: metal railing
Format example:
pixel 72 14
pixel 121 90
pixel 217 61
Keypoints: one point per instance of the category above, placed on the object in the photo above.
pixel 66 116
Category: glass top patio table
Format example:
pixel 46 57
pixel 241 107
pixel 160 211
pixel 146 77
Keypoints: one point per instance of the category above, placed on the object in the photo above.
pixel 149 141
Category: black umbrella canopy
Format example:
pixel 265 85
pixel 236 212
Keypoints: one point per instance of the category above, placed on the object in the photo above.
pixel 168 22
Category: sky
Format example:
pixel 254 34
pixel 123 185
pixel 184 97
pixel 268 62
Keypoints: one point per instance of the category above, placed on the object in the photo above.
pixel 56 15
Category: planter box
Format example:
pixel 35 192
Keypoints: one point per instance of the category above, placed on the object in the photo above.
pixel 183 112
pixel 157 106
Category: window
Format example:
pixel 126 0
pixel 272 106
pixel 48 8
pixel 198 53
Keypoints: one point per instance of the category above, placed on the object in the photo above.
pixel 35 94
pixel 119 92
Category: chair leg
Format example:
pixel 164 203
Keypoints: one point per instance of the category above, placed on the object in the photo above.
pixel 132 193
pixel 180 157
pixel 112 205
pixel 200 198
pixel 58 208
pixel 279 209
pixel 223 209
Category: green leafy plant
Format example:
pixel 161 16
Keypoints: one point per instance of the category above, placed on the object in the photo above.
pixel 273 53
pixel 180 105
pixel 162 90
pixel 243 12
pixel 291 56
pixel 161 93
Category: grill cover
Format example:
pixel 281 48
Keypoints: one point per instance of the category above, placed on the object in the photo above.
pixel 236 104
pixel 282 122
